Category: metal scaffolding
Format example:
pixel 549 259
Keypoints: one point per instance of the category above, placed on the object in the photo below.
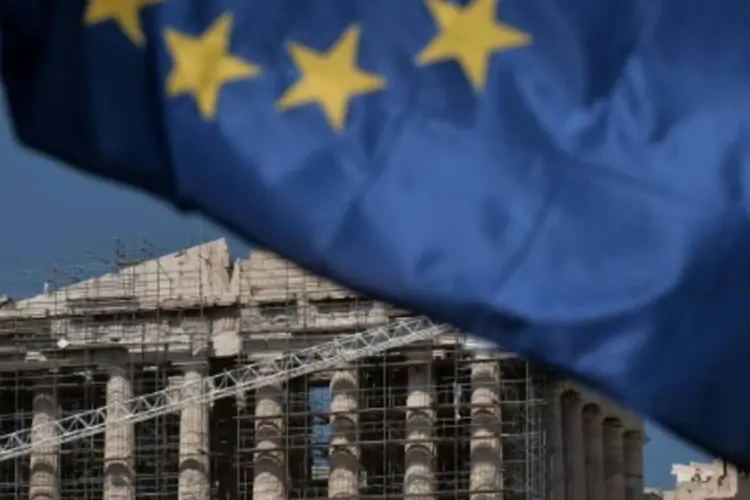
pixel 251 379
pixel 346 348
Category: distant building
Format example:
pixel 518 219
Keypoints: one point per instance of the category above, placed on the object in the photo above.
pixel 454 418
pixel 698 481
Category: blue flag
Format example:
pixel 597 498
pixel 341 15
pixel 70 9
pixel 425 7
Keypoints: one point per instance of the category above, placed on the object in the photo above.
pixel 567 178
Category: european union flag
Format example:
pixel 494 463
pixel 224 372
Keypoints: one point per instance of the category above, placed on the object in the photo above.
pixel 565 177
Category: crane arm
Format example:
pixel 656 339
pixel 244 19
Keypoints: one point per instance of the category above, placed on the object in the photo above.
pixel 345 348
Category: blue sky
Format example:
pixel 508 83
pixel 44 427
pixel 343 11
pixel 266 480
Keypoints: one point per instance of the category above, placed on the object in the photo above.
pixel 53 214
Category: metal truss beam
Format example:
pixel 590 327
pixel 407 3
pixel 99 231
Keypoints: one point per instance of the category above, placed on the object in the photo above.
pixel 345 348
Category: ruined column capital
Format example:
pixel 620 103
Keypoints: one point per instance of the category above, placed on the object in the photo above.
pixel 120 369
pixel 196 366
pixel 613 426
pixel 635 436
pixel 343 366
pixel 593 411
pixel 572 399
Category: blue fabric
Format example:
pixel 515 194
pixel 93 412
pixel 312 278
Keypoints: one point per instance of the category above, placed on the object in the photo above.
pixel 582 201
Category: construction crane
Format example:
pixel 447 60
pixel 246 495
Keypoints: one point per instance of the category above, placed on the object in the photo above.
pixel 345 348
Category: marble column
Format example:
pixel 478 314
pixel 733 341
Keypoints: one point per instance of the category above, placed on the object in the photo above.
pixel 614 467
pixel 485 479
pixel 343 478
pixel 633 455
pixel 419 479
pixel 554 442
pixel 43 474
pixel 119 439
pixel 593 437
pixel 194 481
pixel 269 481
pixel 575 468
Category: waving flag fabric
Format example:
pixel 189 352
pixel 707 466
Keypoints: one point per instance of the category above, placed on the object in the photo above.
pixel 567 178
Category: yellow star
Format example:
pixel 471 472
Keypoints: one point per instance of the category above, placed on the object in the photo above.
pixel 126 13
pixel 203 64
pixel 330 79
pixel 470 35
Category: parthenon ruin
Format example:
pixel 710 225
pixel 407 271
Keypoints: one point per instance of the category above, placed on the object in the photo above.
pixel 452 418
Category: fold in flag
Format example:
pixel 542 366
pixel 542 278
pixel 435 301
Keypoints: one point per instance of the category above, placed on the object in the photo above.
pixel 567 178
